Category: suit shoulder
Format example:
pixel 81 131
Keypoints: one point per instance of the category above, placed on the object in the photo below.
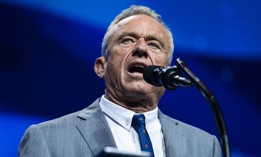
pixel 187 128
pixel 64 120
pixel 194 129
pixel 70 118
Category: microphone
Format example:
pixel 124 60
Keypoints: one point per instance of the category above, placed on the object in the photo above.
pixel 169 77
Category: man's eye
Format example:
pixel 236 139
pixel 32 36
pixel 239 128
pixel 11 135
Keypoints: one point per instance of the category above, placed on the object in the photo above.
pixel 127 41
pixel 154 45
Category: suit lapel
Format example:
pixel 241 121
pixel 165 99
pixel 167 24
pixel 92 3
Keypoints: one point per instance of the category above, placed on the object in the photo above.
pixel 94 128
pixel 174 139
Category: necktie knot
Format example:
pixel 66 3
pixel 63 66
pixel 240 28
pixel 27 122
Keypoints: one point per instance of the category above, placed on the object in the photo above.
pixel 138 120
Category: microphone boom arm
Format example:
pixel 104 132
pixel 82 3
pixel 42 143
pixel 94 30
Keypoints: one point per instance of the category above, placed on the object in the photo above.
pixel 219 118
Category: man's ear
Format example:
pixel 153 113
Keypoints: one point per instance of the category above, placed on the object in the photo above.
pixel 100 66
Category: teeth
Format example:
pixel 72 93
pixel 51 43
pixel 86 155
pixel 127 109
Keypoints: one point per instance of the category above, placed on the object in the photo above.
pixel 139 66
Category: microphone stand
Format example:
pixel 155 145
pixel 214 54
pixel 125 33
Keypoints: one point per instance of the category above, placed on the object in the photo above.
pixel 219 118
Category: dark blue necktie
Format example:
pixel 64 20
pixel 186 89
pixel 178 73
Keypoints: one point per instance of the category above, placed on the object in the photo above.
pixel 138 123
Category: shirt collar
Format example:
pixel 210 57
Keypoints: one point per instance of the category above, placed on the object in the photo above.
pixel 118 114
pixel 151 117
pixel 123 116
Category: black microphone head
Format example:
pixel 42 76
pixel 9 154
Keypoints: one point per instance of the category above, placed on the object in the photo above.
pixel 169 80
pixel 152 75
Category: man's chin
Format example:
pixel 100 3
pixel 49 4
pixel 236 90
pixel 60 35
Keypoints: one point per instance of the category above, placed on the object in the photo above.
pixel 139 85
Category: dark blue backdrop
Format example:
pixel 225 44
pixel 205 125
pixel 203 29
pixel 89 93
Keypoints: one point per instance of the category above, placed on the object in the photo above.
pixel 47 51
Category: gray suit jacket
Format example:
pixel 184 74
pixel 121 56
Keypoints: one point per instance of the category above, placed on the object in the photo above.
pixel 85 133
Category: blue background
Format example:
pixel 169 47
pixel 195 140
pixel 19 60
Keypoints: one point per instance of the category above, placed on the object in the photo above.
pixel 48 48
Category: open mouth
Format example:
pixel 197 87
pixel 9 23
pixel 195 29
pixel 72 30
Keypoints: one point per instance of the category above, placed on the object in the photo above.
pixel 136 68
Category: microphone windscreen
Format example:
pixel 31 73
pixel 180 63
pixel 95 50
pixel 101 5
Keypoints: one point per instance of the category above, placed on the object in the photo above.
pixel 151 74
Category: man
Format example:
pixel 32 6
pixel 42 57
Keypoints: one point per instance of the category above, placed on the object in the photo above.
pixel 135 39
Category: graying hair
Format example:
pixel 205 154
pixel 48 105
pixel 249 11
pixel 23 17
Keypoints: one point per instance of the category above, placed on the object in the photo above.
pixel 137 10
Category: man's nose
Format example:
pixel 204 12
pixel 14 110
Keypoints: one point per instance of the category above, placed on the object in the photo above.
pixel 140 48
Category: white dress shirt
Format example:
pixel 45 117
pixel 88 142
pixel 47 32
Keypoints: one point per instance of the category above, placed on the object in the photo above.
pixel 125 136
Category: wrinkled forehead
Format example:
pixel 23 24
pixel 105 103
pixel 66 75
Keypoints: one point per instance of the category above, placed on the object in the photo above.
pixel 141 24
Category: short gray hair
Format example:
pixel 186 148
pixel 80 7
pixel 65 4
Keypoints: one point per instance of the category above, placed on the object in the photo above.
pixel 137 10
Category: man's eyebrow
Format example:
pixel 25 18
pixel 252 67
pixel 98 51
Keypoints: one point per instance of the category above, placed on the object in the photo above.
pixel 132 34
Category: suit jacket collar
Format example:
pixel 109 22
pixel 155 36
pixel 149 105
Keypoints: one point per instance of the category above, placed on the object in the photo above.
pixel 94 128
pixel 174 139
